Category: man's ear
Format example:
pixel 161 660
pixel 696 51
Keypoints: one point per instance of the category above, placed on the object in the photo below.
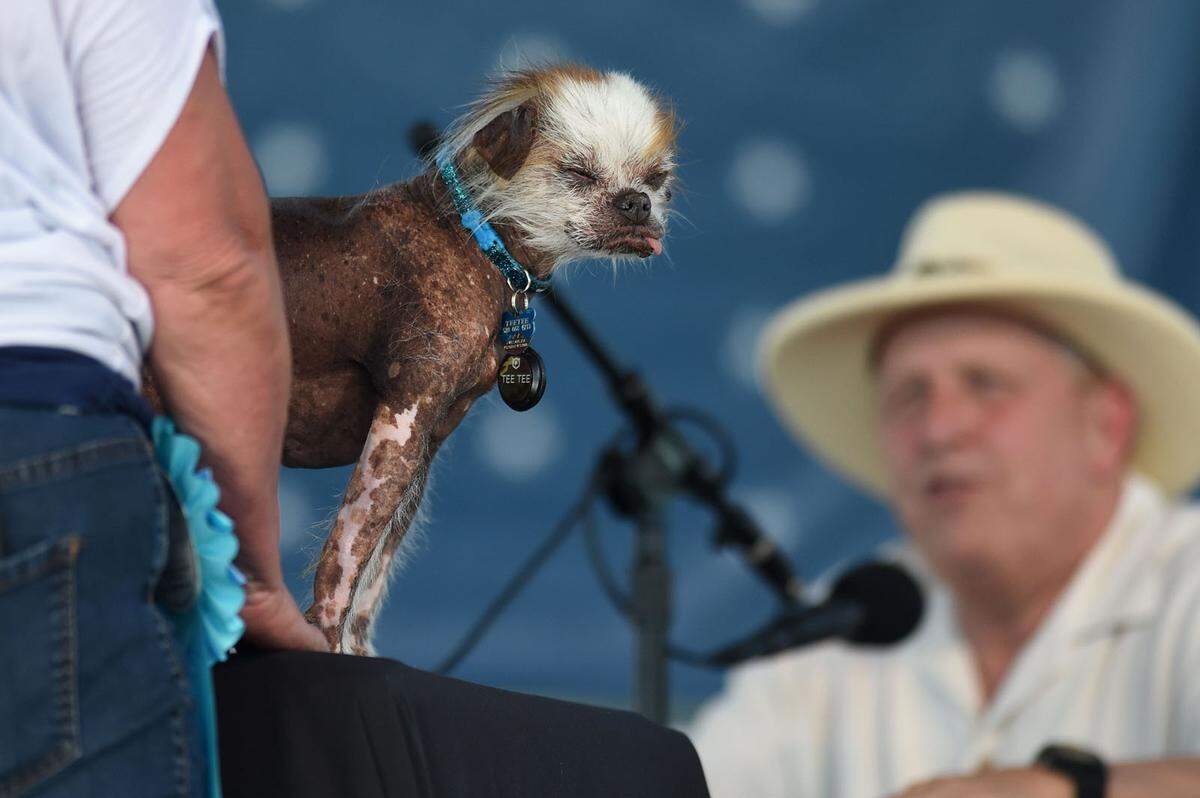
pixel 505 141
pixel 1112 413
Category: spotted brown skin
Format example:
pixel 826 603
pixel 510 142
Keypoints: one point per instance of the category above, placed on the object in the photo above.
pixel 384 293
pixel 393 313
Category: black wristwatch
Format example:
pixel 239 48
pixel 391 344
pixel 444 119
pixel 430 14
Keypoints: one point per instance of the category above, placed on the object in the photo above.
pixel 1086 771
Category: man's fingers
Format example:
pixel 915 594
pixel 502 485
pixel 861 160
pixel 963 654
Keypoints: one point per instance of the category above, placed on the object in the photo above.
pixel 1005 783
pixel 273 620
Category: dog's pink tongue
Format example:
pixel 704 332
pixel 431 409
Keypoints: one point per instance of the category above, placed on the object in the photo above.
pixel 655 245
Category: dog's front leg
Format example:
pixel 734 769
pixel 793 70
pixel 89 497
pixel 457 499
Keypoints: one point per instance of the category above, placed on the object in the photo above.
pixel 376 509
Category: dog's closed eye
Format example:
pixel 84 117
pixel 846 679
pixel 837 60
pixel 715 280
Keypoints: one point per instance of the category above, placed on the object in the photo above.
pixel 579 174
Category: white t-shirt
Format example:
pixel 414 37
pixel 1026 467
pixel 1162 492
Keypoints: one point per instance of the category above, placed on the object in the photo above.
pixel 1114 668
pixel 89 90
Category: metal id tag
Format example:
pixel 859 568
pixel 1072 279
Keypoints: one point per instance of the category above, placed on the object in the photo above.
pixel 516 329
pixel 522 379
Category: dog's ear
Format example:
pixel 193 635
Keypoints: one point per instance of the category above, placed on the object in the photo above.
pixel 505 141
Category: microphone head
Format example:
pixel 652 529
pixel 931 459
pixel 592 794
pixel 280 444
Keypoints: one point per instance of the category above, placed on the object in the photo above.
pixel 423 138
pixel 891 601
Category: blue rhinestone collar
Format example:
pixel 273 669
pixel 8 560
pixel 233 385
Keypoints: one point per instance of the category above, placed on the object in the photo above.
pixel 519 278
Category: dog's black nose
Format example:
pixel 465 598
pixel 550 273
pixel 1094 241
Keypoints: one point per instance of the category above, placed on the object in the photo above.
pixel 634 205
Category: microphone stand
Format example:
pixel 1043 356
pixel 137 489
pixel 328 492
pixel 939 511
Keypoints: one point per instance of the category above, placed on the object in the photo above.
pixel 638 484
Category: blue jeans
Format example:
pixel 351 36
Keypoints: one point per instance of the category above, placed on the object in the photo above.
pixel 93 699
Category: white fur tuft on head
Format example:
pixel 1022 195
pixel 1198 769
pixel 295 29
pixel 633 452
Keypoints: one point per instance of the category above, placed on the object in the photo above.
pixel 594 175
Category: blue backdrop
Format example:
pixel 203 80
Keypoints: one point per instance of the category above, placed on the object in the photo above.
pixel 812 129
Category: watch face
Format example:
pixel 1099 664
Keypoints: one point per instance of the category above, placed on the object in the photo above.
pixel 1069 755
pixel 1086 770
pixel 1075 755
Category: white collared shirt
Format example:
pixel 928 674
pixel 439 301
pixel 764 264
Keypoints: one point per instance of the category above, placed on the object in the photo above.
pixel 1114 668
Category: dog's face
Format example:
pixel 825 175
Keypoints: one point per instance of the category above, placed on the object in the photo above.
pixel 582 165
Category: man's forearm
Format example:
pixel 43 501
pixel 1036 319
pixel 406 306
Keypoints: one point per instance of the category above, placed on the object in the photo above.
pixel 197 227
pixel 1159 778
pixel 221 361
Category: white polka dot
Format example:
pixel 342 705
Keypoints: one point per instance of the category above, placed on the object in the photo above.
pixel 292 157
pixel 770 180
pixel 739 351
pixel 530 49
pixel 1025 89
pixel 781 12
pixel 775 511
pixel 518 446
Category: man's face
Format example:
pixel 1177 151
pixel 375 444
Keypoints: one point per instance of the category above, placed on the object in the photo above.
pixel 995 437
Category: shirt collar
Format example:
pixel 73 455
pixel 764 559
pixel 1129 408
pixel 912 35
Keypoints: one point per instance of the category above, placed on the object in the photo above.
pixel 1117 586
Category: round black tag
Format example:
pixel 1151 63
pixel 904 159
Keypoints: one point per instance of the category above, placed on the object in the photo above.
pixel 522 379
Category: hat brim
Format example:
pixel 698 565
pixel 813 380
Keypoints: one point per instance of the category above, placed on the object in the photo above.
pixel 814 362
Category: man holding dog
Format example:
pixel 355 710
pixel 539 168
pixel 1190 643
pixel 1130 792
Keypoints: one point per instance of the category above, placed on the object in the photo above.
pixel 1031 418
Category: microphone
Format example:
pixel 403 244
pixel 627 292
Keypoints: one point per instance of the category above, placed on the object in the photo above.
pixel 875 604
pixel 423 138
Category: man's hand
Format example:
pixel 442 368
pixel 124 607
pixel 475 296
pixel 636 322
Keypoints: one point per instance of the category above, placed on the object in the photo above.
pixel 274 621
pixel 1010 783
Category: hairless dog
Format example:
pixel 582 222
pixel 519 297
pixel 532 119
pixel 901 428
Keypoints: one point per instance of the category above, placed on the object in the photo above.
pixel 394 310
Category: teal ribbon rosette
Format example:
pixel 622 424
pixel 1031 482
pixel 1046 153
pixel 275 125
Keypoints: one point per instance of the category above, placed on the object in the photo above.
pixel 209 626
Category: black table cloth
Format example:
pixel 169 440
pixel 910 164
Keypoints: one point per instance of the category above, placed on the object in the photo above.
pixel 322 725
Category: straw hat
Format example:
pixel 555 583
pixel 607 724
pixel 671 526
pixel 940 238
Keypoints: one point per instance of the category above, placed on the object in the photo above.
pixel 1012 252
